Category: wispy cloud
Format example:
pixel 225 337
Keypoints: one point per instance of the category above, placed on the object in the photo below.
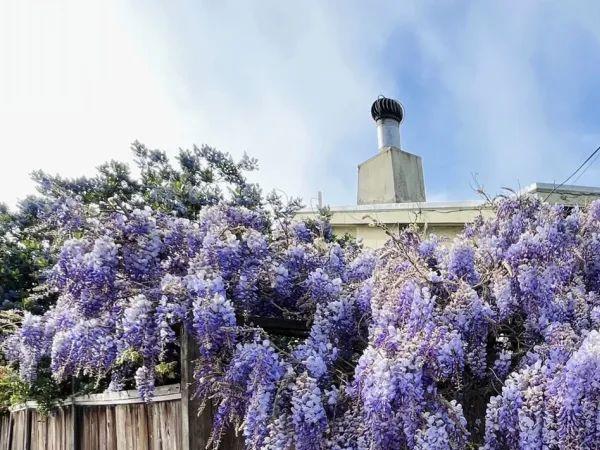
pixel 512 118
pixel 504 90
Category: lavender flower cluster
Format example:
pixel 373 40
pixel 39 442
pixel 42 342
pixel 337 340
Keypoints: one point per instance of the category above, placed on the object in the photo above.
pixel 127 280
pixel 490 340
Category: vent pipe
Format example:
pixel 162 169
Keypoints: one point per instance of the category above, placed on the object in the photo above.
pixel 387 114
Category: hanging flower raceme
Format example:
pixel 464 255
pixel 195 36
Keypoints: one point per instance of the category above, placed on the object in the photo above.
pixel 246 392
pixel 27 346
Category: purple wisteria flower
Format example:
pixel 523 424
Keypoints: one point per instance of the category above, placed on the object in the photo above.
pixel 490 340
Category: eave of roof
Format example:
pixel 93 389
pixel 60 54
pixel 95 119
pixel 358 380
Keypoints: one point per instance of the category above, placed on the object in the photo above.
pixel 441 213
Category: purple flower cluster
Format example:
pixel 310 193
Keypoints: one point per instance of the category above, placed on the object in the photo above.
pixel 451 321
pixel 27 346
pixel 488 340
pixel 308 415
pixel 248 389
pixel 552 400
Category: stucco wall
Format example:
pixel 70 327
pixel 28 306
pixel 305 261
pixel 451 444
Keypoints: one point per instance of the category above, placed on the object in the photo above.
pixel 445 219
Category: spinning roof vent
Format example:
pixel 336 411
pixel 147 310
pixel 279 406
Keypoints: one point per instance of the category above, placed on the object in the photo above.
pixel 387 114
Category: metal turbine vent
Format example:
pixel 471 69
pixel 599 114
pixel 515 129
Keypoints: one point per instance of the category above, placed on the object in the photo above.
pixel 387 108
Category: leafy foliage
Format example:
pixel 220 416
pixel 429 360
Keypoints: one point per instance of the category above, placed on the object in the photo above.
pixel 21 258
pixel 31 237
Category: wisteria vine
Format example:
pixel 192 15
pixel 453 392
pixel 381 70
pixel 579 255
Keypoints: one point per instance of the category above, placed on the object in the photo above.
pixel 491 339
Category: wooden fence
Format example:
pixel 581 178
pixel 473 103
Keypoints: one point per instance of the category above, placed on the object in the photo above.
pixel 118 421
pixel 112 421
pixel 122 421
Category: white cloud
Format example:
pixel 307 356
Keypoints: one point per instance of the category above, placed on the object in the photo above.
pixel 75 90
pixel 289 86
pixel 289 83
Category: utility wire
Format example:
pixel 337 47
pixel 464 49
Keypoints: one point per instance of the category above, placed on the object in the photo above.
pixel 591 163
pixel 574 173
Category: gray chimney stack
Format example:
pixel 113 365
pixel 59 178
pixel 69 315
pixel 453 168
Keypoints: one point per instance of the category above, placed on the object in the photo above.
pixel 393 175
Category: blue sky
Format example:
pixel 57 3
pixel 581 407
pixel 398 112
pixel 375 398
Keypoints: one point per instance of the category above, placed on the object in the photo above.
pixel 504 92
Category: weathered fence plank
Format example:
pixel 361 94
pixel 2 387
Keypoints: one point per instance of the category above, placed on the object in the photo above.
pixel 110 425
pixel 5 431
pixel 20 436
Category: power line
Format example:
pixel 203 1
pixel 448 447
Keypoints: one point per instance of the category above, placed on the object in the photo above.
pixel 574 173
pixel 587 167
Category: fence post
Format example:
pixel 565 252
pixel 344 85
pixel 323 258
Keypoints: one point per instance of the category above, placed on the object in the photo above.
pixel 11 425
pixel 195 429
pixel 28 429
pixel 73 422
pixel 73 428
